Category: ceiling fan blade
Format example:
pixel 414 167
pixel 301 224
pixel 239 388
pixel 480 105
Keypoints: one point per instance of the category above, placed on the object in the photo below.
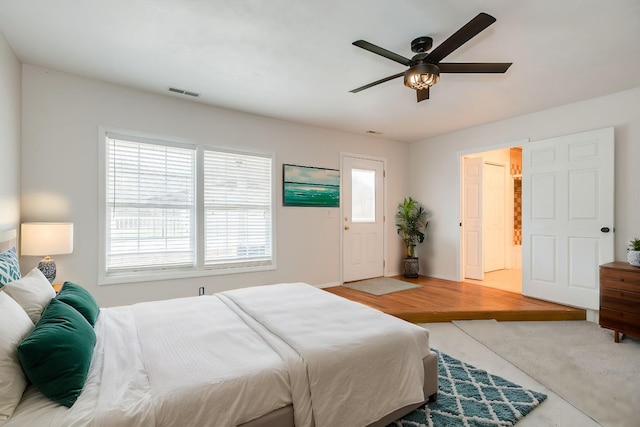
pixel 382 52
pixel 474 67
pixel 377 82
pixel 422 94
pixel 460 37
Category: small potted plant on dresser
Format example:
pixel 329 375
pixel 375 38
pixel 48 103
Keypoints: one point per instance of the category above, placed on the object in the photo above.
pixel 411 220
pixel 633 252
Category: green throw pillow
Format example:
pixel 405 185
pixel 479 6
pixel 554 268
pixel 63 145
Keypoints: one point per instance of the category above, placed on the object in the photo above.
pixel 79 298
pixel 56 355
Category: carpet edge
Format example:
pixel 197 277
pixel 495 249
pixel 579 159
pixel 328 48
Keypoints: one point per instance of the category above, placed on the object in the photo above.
pixel 403 286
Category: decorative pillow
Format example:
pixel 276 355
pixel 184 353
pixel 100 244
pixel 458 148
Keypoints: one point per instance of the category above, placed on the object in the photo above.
pixel 79 298
pixel 33 292
pixel 9 266
pixel 56 355
pixel 14 326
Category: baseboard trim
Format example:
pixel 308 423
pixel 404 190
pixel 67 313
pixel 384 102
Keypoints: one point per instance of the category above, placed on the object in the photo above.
pixel 327 285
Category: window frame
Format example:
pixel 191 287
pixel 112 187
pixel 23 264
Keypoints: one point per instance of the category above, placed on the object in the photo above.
pixel 199 269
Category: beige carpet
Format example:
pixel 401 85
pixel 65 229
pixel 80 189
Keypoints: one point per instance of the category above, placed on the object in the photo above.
pixel 380 285
pixel 577 360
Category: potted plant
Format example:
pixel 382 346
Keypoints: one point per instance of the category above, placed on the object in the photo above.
pixel 633 252
pixel 411 220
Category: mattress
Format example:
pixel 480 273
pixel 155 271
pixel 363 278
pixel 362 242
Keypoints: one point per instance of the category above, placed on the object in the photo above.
pixel 153 365
pixel 283 417
pixel 245 357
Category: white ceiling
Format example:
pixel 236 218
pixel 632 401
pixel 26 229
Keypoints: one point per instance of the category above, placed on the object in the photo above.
pixel 294 60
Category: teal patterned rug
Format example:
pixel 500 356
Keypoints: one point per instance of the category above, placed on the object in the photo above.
pixel 472 397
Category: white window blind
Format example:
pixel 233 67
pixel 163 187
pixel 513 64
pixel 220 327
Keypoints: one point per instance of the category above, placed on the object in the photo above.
pixel 179 210
pixel 150 206
pixel 237 210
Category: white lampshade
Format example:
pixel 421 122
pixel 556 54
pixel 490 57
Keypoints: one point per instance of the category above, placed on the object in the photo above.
pixel 46 238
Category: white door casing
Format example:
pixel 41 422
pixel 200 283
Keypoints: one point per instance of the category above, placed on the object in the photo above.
pixel 472 218
pixel 567 204
pixel 363 218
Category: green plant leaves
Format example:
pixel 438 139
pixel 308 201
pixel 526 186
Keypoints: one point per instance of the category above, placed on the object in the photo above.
pixel 411 221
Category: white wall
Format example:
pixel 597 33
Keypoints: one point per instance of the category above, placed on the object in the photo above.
pixel 61 115
pixel 10 116
pixel 436 179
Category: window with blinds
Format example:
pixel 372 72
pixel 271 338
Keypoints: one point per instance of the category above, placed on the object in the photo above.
pixel 237 210
pixel 180 208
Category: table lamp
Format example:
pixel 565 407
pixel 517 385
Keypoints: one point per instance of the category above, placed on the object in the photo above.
pixel 45 239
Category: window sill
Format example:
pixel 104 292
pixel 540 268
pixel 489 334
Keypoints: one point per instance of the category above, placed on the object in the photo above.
pixel 122 278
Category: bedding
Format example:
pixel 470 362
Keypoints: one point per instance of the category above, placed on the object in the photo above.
pixel 33 292
pixel 334 336
pixel 14 326
pixel 234 357
pixel 9 266
pixel 56 354
pixel 79 298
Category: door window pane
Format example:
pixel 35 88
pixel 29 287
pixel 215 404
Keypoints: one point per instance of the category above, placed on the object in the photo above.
pixel 363 195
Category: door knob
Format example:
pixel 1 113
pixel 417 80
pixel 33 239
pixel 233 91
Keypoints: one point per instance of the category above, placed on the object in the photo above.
pixel 346 227
pixel 605 229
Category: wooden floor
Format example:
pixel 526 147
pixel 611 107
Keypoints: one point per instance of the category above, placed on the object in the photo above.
pixel 442 301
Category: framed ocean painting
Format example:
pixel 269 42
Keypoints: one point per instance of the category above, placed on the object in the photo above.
pixel 309 186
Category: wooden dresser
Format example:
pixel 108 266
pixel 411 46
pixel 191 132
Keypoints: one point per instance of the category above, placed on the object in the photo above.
pixel 620 298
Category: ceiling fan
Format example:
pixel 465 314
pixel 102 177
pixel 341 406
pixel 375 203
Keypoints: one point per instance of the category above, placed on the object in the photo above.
pixel 425 68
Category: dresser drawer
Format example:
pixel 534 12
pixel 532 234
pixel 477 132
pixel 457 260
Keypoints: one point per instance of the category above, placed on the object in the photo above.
pixel 620 321
pixel 631 274
pixel 619 279
pixel 620 300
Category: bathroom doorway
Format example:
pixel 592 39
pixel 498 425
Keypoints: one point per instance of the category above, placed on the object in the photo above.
pixel 491 201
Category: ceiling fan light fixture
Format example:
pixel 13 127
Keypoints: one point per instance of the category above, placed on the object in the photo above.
pixel 422 76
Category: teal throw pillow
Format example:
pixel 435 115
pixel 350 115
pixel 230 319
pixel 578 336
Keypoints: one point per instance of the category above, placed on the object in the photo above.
pixel 9 266
pixel 56 355
pixel 79 298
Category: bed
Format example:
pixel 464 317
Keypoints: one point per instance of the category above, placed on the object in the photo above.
pixel 266 356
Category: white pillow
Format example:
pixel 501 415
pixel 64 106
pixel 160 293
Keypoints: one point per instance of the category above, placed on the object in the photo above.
pixel 33 292
pixel 14 326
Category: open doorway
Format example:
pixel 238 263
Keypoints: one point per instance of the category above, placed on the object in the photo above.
pixel 491 201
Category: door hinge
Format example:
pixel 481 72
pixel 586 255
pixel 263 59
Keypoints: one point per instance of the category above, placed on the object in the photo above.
pixel 384 174
pixel 384 263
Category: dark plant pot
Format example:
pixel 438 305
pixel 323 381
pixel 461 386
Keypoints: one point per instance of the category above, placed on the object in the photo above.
pixel 410 266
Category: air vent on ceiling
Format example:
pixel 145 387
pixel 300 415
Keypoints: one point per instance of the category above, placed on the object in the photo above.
pixel 184 92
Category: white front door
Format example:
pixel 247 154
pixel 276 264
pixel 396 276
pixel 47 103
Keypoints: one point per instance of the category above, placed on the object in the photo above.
pixel 472 218
pixel 567 214
pixel 493 217
pixel 363 218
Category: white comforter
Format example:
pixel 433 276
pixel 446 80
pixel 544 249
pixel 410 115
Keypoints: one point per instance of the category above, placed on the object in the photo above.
pixel 225 359
pixel 361 364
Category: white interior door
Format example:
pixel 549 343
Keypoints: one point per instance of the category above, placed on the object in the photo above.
pixel 472 218
pixel 493 217
pixel 567 214
pixel 363 221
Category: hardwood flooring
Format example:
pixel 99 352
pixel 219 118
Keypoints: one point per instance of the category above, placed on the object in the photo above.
pixel 440 300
